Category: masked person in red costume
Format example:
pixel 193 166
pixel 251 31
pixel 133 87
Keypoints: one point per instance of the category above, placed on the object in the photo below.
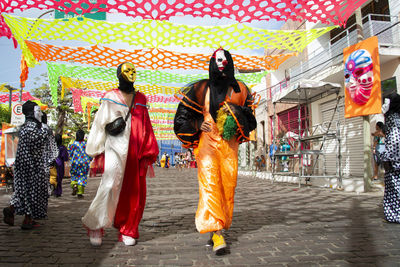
pixel 214 116
pixel 121 195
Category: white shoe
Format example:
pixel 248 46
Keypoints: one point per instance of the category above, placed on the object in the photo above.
pixel 95 237
pixel 128 241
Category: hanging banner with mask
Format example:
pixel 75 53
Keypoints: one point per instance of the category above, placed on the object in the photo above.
pixel 362 78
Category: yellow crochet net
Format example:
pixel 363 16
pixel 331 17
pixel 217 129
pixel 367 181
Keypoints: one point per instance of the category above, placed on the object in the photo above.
pixel 149 34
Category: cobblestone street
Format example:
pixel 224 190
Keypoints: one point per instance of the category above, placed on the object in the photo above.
pixel 273 225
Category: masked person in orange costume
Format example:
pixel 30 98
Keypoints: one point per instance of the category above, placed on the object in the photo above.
pixel 214 116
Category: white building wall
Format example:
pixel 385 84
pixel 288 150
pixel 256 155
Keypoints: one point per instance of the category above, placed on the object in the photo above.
pixel 394 6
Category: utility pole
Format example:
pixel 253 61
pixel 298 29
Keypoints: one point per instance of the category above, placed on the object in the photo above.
pixel 11 89
pixel 366 121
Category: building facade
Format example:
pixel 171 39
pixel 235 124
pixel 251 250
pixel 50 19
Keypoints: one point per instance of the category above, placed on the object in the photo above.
pixel 322 61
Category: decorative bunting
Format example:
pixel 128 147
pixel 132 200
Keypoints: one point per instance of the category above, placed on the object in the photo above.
pixel 77 94
pixel 6 32
pixel 105 86
pixel 24 72
pixel 154 58
pixel 148 34
pixel 5 97
pixel 143 76
pixel 162 122
pixel 334 11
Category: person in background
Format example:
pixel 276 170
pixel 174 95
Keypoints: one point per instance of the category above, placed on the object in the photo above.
pixel 272 149
pixel 50 152
pixel 60 164
pixel 80 163
pixel 188 159
pixel 163 160
pixel 177 160
pixel 391 158
pixel 167 161
pixel 285 147
pixel 257 162
pixel 30 170
pixel 378 146
pixel 262 163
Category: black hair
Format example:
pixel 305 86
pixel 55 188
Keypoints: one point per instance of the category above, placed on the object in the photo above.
pixel 44 118
pixel 58 138
pixel 381 126
pixel 28 108
pixel 80 134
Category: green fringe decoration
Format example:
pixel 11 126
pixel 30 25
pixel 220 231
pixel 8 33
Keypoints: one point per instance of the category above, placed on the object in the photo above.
pixel 221 118
pixel 230 128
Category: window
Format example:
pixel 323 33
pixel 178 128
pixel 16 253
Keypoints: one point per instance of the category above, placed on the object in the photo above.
pixel 380 7
pixel 388 86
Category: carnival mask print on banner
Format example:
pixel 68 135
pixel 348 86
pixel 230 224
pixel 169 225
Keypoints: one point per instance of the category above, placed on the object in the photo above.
pixel 220 59
pixel 37 113
pixel 359 76
pixel 128 72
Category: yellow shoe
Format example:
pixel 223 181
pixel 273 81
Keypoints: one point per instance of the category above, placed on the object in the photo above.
pixel 219 242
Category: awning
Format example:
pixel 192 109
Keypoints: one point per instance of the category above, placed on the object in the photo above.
pixel 306 91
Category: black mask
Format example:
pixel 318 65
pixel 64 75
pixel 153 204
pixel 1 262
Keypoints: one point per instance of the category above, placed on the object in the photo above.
pixel 28 109
pixel 220 81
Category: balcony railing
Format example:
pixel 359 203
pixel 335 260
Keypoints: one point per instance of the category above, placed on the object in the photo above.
pixel 385 27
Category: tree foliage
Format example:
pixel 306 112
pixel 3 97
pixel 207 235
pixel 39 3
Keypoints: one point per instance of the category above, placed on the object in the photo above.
pixel 5 114
pixel 64 116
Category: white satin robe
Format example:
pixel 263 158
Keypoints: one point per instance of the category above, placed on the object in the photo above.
pixel 102 209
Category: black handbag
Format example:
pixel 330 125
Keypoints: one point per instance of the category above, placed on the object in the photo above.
pixel 118 125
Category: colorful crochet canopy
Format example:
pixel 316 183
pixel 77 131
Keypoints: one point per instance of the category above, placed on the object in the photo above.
pixel 150 33
pixel 5 97
pixel 100 87
pixel 6 32
pixel 154 58
pixel 162 122
pixel 105 86
pixel 333 11
pixel 97 74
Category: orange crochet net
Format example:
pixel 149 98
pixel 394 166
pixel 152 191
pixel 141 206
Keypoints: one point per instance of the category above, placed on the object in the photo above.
pixel 154 58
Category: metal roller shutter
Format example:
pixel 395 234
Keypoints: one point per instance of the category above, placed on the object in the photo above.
pixel 351 133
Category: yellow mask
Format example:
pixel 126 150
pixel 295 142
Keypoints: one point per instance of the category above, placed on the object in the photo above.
pixel 128 72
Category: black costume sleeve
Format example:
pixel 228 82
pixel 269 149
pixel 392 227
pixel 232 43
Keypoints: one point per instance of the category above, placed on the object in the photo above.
pixel 188 117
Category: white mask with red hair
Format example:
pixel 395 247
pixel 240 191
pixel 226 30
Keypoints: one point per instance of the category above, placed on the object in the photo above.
pixel 220 59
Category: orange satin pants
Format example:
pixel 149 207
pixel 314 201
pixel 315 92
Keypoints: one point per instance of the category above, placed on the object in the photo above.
pixel 217 162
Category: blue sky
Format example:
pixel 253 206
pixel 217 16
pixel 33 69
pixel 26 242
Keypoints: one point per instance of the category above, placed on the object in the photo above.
pixel 10 57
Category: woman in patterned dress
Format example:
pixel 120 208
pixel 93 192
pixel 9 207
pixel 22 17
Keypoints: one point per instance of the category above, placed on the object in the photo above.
pixel 30 170
pixel 391 158
pixel 80 163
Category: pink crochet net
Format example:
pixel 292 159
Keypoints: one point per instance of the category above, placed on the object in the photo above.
pixel 327 11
